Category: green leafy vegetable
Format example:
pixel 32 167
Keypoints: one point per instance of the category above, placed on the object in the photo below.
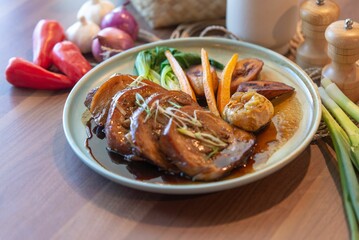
pixel 152 64
pixel 187 60
pixel 168 79
pixel 148 63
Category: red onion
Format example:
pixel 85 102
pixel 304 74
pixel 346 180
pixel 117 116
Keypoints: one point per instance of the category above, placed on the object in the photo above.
pixel 110 41
pixel 122 19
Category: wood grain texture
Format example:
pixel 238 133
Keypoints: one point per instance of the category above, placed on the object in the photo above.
pixel 46 192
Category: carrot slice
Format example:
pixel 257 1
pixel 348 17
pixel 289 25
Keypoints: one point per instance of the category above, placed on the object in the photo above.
pixel 181 75
pixel 224 87
pixel 208 83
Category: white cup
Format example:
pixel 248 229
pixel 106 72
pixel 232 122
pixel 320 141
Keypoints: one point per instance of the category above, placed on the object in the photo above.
pixel 269 23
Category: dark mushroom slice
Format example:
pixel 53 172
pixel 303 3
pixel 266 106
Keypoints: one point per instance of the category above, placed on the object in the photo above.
pixel 269 89
pixel 247 69
pixel 206 152
pixel 148 122
pixel 118 122
pixel 195 76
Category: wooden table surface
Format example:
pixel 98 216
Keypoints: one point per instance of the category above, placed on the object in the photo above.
pixel 47 192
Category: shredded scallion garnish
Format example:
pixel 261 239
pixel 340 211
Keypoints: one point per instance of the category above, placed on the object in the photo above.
pixel 174 104
pixel 203 137
pixel 215 150
pixel 140 101
pixel 136 82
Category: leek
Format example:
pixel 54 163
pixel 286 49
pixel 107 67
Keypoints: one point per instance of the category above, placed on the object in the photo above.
pixel 339 97
pixel 348 179
pixel 351 130
pixel 345 137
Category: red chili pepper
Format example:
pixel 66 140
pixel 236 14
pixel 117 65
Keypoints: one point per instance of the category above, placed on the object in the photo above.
pixel 23 73
pixel 46 34
pixel 67 57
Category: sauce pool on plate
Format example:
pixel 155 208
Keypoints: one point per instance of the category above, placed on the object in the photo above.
pixel 284 124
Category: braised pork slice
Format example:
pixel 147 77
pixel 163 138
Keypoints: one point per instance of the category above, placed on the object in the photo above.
pixel 99 99
pixel 89 97
pixel 123 105
pixel 148 122
pixel 205 147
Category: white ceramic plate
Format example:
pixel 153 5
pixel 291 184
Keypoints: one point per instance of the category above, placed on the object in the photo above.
pixel 275 66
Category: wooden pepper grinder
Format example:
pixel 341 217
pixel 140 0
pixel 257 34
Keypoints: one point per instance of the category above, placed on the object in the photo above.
pixel 343 49
pixel 316 16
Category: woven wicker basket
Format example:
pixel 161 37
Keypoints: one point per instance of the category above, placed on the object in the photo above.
pixel 162 13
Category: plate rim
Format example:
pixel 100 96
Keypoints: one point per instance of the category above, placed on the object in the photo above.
pixel 205 187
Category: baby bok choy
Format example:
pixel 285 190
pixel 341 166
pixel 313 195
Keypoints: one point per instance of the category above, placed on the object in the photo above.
pixel 153 65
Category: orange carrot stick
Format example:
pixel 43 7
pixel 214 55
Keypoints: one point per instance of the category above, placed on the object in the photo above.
pixel 181 75
pixel 224 87
pixel 208 83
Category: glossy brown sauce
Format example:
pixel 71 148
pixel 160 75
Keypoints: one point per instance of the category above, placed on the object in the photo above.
pixel 284 124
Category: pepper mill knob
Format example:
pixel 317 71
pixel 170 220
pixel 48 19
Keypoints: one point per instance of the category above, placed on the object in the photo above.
pixel 316 16
pixel 343 49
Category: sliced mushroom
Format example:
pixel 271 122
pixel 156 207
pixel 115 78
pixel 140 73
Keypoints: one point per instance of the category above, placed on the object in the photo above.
pixel 269 89
pixel 247 69
pixel 195 76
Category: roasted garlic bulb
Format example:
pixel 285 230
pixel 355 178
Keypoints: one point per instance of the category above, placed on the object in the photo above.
pixel 248 110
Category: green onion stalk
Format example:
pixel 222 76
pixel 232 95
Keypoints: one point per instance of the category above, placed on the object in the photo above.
pixel 348 179
pixel 336 110
pixel 339 97
pixel 351 130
